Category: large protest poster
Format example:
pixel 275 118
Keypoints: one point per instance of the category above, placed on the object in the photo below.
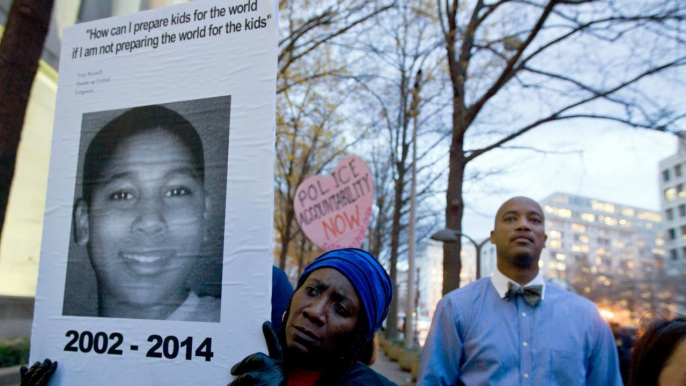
pixel 156 256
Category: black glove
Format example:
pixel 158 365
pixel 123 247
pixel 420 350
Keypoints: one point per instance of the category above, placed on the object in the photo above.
pixel 39 374
pixel 259 369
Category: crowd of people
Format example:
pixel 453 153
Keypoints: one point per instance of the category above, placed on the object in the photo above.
pixel 513 328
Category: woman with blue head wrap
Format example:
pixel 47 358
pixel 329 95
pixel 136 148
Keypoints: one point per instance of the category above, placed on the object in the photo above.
pixel 340 301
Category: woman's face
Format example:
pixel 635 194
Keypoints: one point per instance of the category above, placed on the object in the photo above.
pixel 323 314
pixel 674 372
pixel 144 226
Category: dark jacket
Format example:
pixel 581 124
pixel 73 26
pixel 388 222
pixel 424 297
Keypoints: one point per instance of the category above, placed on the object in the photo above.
pixel 362 375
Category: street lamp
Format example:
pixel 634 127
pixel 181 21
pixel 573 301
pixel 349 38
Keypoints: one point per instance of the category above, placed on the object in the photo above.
pixel 451 236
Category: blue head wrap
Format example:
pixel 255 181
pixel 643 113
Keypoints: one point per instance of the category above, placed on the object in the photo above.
pixel 367 276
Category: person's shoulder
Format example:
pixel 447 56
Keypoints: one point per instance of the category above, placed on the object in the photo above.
pixel 569 300
pixel 362 374
pixel 280 279
pixel 566 297
pixel 469 292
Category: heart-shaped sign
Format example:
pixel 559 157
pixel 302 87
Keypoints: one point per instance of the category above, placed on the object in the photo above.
pixel 334 211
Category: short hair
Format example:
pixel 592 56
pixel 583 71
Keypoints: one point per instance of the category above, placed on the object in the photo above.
pixel 137 120
pixel 653 349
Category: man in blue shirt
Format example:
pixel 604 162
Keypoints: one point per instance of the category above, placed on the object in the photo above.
pixel 512 328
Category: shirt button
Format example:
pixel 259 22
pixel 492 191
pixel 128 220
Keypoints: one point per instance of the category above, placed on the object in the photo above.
pixel 526 375
pixel 525 344
pixel 524 314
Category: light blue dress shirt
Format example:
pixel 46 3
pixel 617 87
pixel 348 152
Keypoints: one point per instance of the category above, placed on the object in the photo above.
pixel 477 337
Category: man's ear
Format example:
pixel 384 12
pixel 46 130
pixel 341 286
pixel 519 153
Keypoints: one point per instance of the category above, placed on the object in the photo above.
pixel 80 221
pixel 492 238
pixel 545 238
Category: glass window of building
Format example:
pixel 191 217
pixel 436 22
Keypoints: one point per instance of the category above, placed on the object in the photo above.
pixel 673 254
pixel 581 238
pixel 669 213
pixel 650 216
pixel 578 227
pixel 670 194
pixel 611 221
pixel 627 212
pixel 680 190
pixel 665 175
pixel 671 234
pixel 677 170
pixel 624 222
pixel 682 210
pixel 683 231
pixel 580 248
pixel 562 199
pixel 579 201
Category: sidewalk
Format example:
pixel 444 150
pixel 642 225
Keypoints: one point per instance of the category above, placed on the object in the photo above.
pixel 9 376
pixel 391 370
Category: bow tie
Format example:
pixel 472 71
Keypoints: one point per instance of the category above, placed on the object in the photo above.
pixel 531 294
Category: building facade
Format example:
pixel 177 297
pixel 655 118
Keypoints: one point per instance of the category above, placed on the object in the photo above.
pixel 610 253
pixel 23 228
pixel 430 273
pixel 672 182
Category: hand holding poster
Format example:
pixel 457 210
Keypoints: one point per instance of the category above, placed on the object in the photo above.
pixel 334 211
pixel 156 256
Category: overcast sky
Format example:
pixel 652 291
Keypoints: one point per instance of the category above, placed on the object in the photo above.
pixel 617 164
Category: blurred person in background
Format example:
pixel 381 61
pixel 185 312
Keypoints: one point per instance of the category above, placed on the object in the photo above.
pixel 659 355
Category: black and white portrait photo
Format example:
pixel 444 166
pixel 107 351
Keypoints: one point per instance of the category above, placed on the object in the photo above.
pixel 149 208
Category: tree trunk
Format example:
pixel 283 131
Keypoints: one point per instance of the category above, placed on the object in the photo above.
pixel 286 235
pixel 392 320
pixel 20 51
pixel 452 263
pixel 454 208
pixel 301 254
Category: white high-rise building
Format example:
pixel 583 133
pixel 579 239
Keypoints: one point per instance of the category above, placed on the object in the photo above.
pixel 430 266
pixel 672 181
pixel 610 237
pixel 609 252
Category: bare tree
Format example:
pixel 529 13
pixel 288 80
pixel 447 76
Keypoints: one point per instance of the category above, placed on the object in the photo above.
pixel 20 51
pixel 403 89
pixel 308 27
pixel 309 139
pixel 309 136
pixel 576 59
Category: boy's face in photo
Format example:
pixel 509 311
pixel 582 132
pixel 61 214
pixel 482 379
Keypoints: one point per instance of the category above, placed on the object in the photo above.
pixel 145 222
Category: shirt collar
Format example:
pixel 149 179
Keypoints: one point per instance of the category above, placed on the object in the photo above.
pixel 500 281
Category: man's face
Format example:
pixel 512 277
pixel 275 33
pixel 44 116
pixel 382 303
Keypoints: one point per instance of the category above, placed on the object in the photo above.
pixel 322 317
pixel 519 233
pixel 145 222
